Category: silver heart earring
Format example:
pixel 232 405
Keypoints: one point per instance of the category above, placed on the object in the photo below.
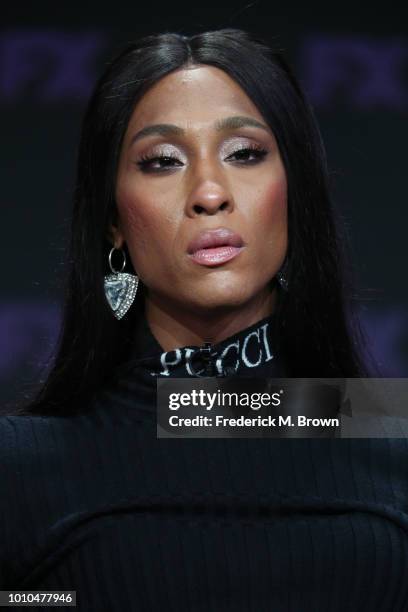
pixel 120 287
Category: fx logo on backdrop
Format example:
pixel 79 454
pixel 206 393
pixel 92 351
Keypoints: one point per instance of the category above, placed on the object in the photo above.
pixel 53 66
pixel 50 65
pixel 363 72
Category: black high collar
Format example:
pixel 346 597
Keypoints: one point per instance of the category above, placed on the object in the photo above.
pixel 248 351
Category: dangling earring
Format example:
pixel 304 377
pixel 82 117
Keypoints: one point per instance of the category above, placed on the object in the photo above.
pixel 120 288
pixel 281 276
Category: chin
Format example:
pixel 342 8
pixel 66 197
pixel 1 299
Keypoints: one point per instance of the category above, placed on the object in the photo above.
pixel 221 300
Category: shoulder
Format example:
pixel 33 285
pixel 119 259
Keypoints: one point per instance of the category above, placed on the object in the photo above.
pixel 20 437
pixel 16 434
pixel 31 449
pixel 18 466
pixel 25 443
pixel 34 452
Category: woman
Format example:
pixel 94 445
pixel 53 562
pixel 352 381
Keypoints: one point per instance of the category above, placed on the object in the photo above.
pixel 202 168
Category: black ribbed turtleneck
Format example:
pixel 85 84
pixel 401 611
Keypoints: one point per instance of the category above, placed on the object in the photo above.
pixel 97 503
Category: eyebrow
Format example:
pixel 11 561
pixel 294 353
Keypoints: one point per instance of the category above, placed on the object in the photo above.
pixel 228 123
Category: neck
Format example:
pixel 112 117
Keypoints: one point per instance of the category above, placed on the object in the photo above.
pixel 174 326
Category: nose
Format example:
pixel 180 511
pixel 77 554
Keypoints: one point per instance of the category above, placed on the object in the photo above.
pixel 209 195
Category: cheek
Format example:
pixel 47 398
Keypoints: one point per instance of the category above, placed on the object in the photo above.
pixel 145 227
pixel 270 230
pixel 273 206
pixel 133 213
pixel 268 217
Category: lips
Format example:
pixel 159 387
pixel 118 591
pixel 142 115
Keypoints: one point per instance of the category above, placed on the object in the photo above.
pixel 220 237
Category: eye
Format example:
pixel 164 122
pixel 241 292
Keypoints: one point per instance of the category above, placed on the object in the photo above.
pixel 249 155
pixel 161 163
pixel 158 163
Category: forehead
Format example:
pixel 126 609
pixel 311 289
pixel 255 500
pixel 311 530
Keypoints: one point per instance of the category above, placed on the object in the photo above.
pixel 199 93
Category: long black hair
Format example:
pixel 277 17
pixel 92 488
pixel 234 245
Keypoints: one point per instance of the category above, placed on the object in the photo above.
pixel 319 335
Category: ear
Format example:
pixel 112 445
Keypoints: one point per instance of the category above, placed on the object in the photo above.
pixel 115 235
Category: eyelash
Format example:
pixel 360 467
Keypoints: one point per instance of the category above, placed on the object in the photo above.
pixel 144 161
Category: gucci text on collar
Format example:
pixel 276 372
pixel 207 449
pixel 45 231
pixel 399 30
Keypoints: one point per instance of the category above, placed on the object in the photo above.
pixel 250 351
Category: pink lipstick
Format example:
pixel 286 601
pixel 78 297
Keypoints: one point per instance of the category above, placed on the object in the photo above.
pixel 216 246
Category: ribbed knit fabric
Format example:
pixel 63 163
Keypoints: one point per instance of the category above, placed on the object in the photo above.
pixel 97 504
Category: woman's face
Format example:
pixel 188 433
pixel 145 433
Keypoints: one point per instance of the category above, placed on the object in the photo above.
pixel 181 172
